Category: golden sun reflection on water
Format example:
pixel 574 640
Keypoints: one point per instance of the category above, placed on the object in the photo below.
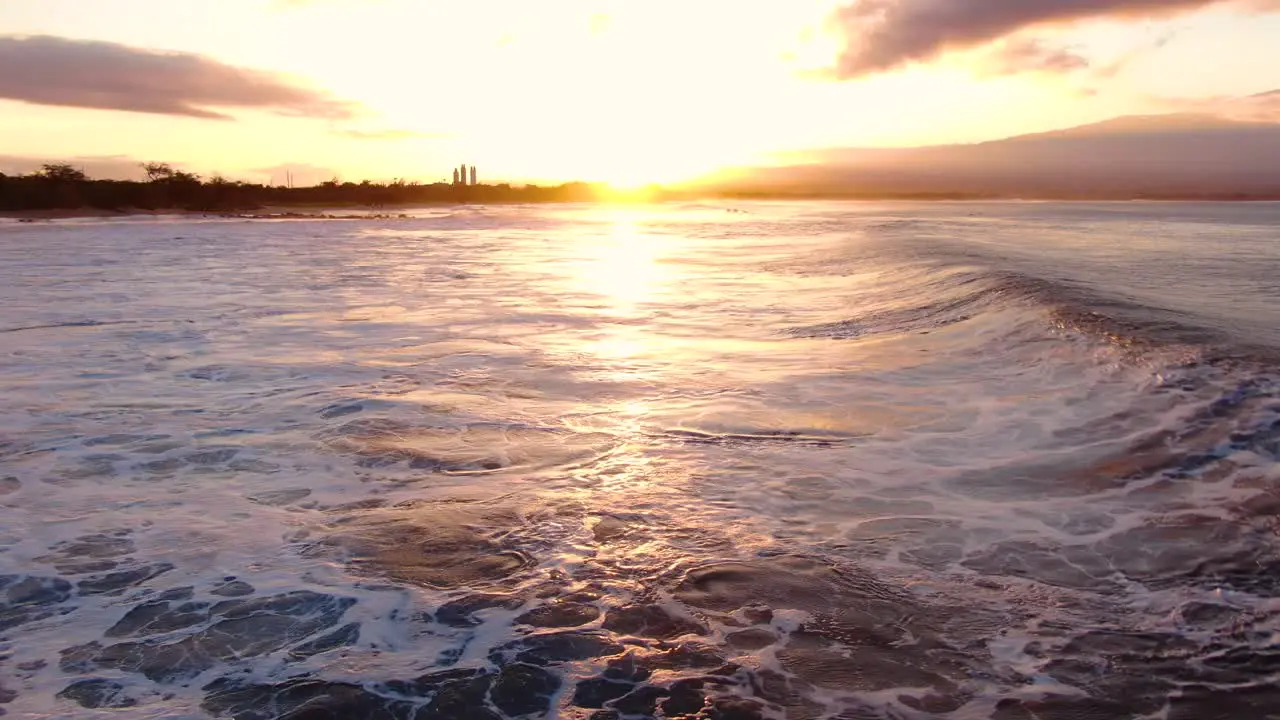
pixel 624 274
pixel 668 372
pixel 624 268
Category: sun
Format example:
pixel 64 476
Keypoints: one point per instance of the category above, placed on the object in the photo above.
pixel 637 160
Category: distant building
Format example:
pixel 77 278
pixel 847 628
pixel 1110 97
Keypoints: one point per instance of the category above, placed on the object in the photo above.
pixel 464 175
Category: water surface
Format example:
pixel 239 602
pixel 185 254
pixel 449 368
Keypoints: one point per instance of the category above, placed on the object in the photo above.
pixel 971 460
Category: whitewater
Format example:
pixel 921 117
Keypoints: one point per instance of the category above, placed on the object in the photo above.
pixel 730 461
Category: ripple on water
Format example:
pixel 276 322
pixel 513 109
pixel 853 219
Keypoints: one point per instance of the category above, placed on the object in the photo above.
pixel 471 449
pixel 439 545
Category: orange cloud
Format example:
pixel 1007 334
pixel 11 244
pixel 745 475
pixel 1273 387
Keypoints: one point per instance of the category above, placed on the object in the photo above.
pixel 390 134
pixel 1261 107
pixel 1031 55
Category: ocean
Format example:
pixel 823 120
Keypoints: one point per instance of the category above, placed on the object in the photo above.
pixel 1007 460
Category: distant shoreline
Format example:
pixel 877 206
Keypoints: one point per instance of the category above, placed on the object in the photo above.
pixel 268 213
pixel 81 213
pixel 354 212
pixel 62 192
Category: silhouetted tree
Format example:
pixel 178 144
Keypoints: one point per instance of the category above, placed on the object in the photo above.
pixel 158 172
pixel 62 172
pixel 60 185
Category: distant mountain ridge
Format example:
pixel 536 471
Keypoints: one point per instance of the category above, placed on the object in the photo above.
pixel 1182 154
pixel 1145 124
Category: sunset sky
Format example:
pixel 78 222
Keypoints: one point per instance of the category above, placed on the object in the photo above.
pixel 612 90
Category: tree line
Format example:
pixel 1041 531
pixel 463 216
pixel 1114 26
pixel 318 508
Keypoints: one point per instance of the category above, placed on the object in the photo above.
pixel 60 186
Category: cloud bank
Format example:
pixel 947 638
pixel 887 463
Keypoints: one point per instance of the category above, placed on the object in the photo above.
pixel 99 167
pixel 392 134
pixel 47 70
pixel 883 35
pixel 1262 107
pixel 1033 55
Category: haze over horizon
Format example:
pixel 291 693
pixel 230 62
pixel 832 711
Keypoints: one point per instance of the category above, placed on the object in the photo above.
pixel 597 91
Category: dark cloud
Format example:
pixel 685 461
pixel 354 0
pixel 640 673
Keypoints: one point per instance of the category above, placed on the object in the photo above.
pixel 46 70
pixel 885 34
pixel 1031 55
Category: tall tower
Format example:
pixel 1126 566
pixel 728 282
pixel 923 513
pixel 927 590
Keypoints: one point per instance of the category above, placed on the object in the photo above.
pixel 455 176
pixel 462 173
pixel 473 174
